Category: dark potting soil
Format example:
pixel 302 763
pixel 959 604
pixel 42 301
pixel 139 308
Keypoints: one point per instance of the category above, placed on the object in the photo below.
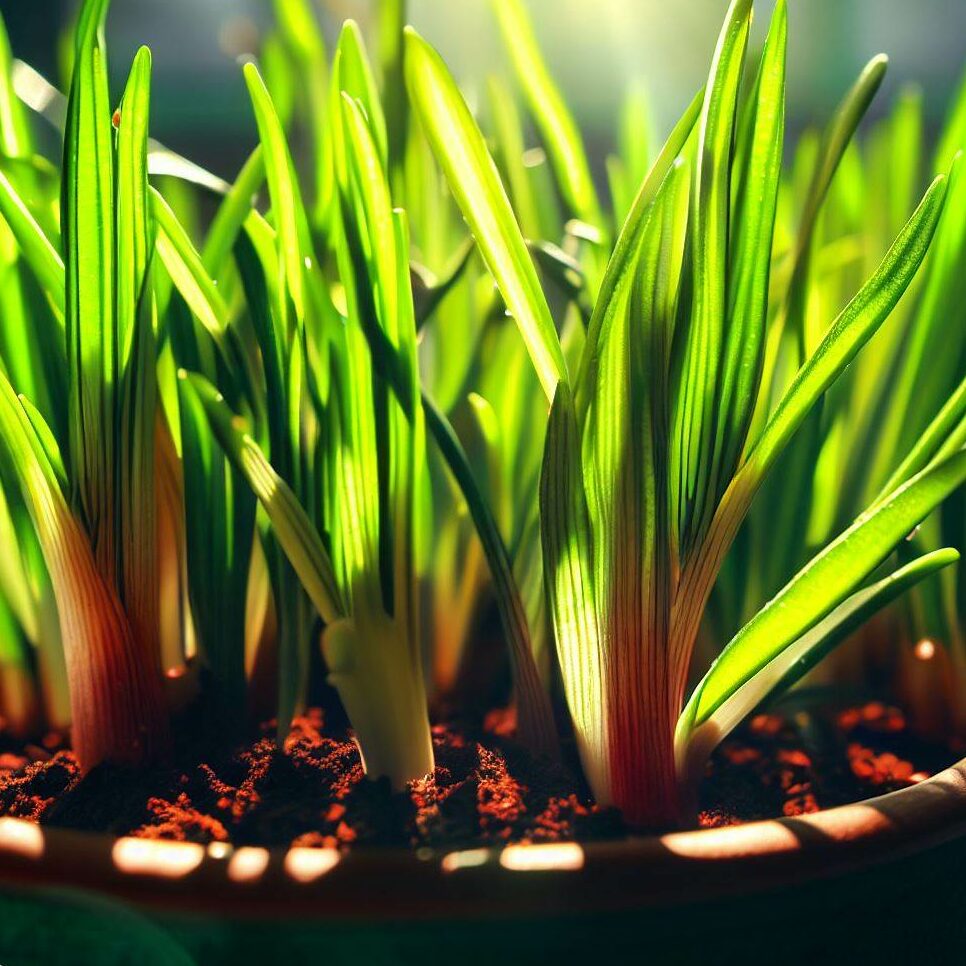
pixel 485 788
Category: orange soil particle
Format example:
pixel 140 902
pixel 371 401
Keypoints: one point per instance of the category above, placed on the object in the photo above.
pixel 29 788
pixel 180 822
pixel 875 716
pixel 766 724
pixel 501 721
pixel 881 769
pixel 499 796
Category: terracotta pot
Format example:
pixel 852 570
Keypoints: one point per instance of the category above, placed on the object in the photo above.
pixel 661 890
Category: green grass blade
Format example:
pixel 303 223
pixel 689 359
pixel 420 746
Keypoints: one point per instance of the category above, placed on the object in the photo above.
pixel 283 189
pixel 835 140
pixel 625 478
pixel 473 179
pixel 36 248
pixel 823 584
pixel 16 140
pixel 183 263
pixel 137 362
pixel 749 269
pixel 944 435
pixel 219 521
pixel 47 442
pixel 625 252
pixel 931 360
pixel 132 230
pixel 296 534
pixel 569 578
pixel 555 122
pixel 696 398
pixel 301 33
pixel 376 298
pixel 88 227
pixel 232 212
pixel 353 75
pixel 393 346
pixel 856 324
pixel 367 197
pixel 799 657
pixel 536 715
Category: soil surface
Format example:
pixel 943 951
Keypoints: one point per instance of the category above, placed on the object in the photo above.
pixel 485 788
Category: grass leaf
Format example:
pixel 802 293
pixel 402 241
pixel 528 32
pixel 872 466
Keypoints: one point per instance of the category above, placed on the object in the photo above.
pixel 823 584
pixel 569 579
pixel 88 227
pixel 555 122
pixel 536 715
pixel 296 534
pixel 473 179
pixel 749 269
pixel 855 325
pixel 696 399
pixel 137 360
pixel 625 252
pixel 696 742
pixel 282 187
pixel 101 653
pixel 37 250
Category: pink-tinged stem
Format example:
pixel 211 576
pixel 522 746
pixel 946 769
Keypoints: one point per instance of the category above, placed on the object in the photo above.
pixel 116 700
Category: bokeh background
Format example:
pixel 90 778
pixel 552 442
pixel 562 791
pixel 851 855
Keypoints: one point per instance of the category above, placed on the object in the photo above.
pixel 595 48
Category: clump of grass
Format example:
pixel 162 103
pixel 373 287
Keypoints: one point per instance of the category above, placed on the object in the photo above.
pixel 91 501
pixel 653 455
pixel 312 432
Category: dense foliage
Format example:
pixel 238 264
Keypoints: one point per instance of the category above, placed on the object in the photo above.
pixel 723 409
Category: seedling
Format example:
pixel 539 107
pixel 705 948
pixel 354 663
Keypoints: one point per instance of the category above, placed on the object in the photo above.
pixel 315 436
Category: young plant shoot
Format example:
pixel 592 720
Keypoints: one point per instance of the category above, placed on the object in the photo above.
pixel 648 466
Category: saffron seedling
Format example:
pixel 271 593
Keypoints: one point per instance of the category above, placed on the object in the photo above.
pixel 440 376
pixel 653 457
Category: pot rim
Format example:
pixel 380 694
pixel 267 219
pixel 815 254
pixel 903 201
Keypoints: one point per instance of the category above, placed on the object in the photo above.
pixel 508 881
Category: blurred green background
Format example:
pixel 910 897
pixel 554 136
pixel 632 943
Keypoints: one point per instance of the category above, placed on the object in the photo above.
pixel 595 47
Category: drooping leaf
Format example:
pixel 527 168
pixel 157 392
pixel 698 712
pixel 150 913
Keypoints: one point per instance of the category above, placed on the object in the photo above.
pixel 823 584
pixel 696 741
